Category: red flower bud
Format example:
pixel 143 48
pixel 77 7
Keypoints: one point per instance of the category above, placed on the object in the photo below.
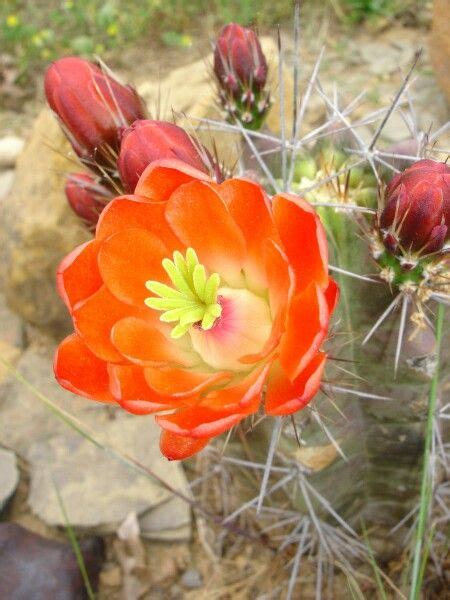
pixel 147 141
pixel 241 70
pixel 416 216
pixel 92 106
pixel 238 57
pixel 86 197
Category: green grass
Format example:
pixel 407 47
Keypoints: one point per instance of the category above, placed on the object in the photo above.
pixel 75 546
pixel 426 487
pixel 34 32
pixel 355 11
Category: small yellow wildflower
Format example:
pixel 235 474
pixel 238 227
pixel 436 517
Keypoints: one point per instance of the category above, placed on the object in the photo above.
pixel 12 21
pixel 112 29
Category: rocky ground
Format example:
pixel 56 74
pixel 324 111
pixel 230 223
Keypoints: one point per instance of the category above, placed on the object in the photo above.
pixel 50 474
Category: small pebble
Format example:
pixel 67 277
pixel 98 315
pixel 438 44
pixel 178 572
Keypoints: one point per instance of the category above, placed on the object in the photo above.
pixel 191 579
pixel 6 181
pixel 10 148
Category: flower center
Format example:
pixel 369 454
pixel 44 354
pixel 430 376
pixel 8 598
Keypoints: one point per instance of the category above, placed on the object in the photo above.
pixel 193 297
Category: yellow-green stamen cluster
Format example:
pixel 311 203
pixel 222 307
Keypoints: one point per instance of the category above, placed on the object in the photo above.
pixel 193 297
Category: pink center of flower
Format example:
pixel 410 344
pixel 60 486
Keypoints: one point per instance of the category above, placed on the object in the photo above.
pixel 242 329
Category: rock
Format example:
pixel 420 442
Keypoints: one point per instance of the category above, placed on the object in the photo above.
pixel 32 420
pixel 6 181
pixel 191 579
pixel 181 534
pixel 12 337
pixel 37 228
pixel 170 521
pixel 10 148
pixel 9 476
pixel 111 577
pixel 397 54
pixel 440 44
pixel 395 129
pixel 189 90
pixel 34 567
pixel 97 489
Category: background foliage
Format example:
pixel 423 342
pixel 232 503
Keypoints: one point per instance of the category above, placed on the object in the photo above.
pixel 35 32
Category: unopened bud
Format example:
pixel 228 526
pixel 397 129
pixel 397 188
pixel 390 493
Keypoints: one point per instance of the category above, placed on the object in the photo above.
pixel 93 108
pixel 86 197
pixel 241 71
pixel 416 215
pixel 146 141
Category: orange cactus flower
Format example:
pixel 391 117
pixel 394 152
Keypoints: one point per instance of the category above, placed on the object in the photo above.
pixel 199 302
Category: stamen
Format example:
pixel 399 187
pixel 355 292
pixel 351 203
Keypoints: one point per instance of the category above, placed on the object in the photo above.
pixel 193 297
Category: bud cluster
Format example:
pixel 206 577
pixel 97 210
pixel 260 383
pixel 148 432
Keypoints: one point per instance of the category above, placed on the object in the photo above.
pixel 106 126
pixel 241 71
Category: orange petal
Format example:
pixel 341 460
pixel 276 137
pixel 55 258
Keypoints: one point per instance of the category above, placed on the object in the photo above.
pixel 180 383
pixel 78 370
pixel 130 258
pixel 141 342
pixel 141 407
pixel 199 422
pixel 303 239
pixel 332 295
pixel 244 396
pixel 284 397
pixel 200 219
pixel 95 317
pixel 162 177
pixel 219 410
pixel 128 212
pixel 249 207
pixel 306 327
pixel 280 281
pixel 280 277
pixel 176 447
pixel 129 387
pixel 78 276
pixel 127 382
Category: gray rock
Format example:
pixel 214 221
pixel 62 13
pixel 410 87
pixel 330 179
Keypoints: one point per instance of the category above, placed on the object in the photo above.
pixel 9 476
pixel 32 420
pixel 10 148
pixel 169 521
pixel 388 58
pixel 6 181
pixel 12 337
pixel 191 579
pixel 97 489
pixel 395 129
pixel 37 227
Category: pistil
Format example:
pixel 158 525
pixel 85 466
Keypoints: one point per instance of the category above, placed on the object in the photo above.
pixel 193 298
